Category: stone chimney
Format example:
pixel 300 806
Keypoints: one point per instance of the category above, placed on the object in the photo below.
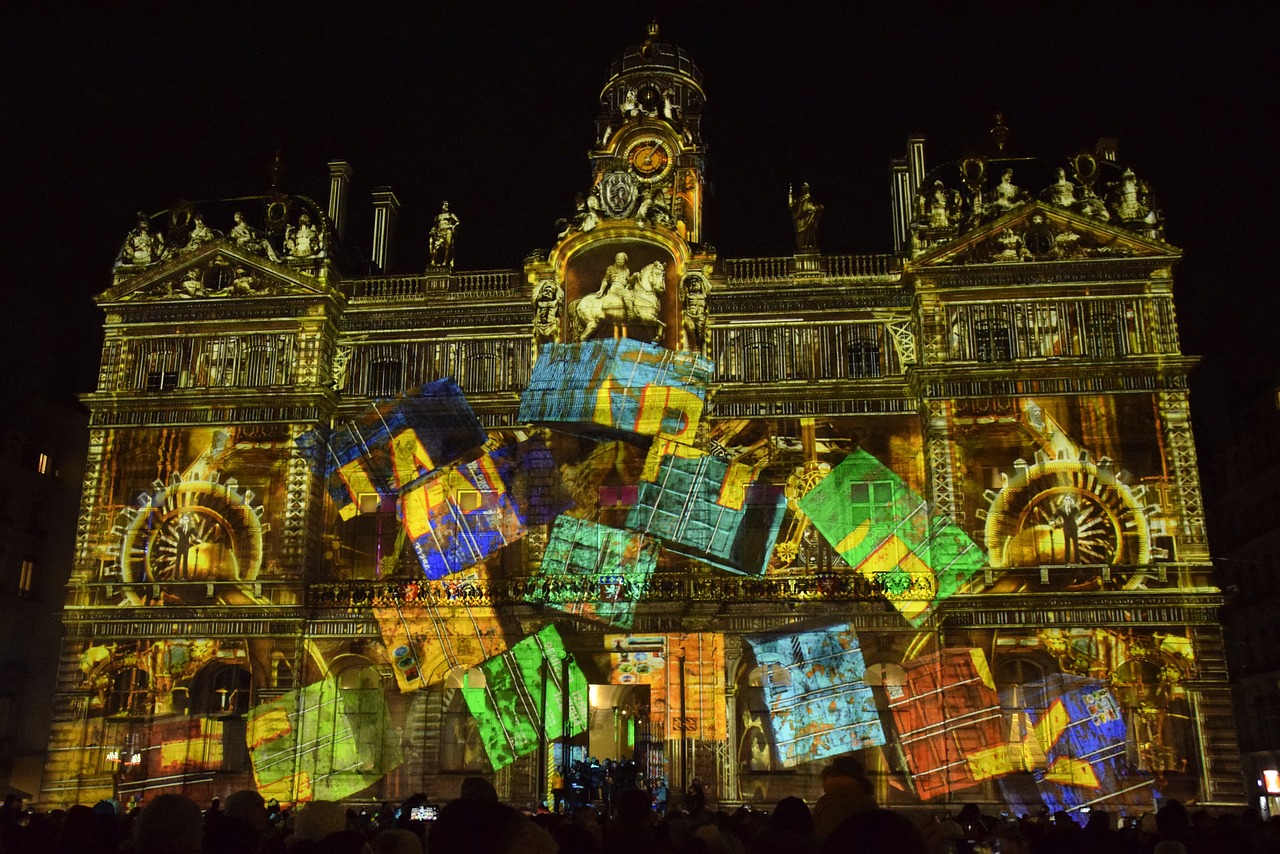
pixel 385 209
pixel 1108 148
pixel 900 179
pixel 915 165
pixel 339 192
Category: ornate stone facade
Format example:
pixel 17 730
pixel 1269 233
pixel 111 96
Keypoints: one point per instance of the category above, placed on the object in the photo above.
pixel 975 447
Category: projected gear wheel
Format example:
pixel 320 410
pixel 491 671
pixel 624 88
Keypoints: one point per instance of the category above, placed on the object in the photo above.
pixel 1066 511
pixel 190 530
pixel 799 484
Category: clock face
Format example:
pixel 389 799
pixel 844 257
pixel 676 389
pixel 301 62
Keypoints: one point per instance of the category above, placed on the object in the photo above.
pixel 649 159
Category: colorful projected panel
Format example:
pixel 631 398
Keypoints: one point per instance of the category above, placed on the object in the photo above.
pixel 532 478
pixel 394 443
pixel 1079 480
pixel 428 640
pixel 321 742
pixel 185 745
pixel 509 709
pixel 1081 730
pixel 457 517
pixel 819 703
pixel 188 506
pixel 950 724
pixel 617 386
pixel 884 530
pixel 700 506
pixel 657 661
pixel 595 571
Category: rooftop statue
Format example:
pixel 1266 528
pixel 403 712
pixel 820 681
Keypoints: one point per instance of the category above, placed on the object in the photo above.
pixel 141 247
pixel 246 238
pixel 200 234
pixel 1006 196
pixel 303 240
pixel 940 208
pixel 1061 192
pixel 806 214
pixel 1131 201
pixel 440 238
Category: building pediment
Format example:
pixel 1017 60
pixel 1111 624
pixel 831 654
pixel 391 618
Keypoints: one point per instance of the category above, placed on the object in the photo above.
pixel 1039 231
pixel 219 270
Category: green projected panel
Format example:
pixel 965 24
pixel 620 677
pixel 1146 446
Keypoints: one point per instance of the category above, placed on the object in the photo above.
pixel 884 530
pixel 595 571
pixel 322 742
pixel 511 708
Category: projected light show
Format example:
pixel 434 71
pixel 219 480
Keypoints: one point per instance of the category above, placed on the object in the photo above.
pixel 717 519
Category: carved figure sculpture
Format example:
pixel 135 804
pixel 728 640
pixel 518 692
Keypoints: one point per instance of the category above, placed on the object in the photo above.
pixel 548 297
pixel 650 211
pixel 303 240
pixel 200 234
pixel 623 298
pixel 1006 196
pixel 615 275
pixel 693 298
pixel 1061 192
pixel 440 238
pixel 141 247
pixel 245 237
pixel 1130 201
pixel 942 207
pixel 806 214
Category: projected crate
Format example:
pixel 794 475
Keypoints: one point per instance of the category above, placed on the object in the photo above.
pixel 594 571
pixel 709 508
pixel 884 530
pixel 322 742
pixel 618 387
pixel 950 724
pixel 511 709
pixel 393 444
pixel 1084 738
pixel 814 686
pixel 458 516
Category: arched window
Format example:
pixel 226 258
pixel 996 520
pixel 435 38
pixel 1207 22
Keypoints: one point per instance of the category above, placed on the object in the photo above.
pixel 128 692
pixel 461 750
pixel 221 690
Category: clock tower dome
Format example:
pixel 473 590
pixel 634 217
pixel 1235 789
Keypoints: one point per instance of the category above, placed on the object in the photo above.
pixel 650 125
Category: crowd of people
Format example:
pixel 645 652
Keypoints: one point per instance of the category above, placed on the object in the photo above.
pixel 845 820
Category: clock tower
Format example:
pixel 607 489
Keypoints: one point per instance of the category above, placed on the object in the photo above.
pixel 631 262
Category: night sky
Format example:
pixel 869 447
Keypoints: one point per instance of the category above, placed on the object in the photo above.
pixel 129 107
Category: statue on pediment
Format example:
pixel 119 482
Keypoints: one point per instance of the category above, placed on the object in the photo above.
pixel 1006 196
pixel 243 284
pixel 1061 192
pixel 806 214
pixel 246 238
pixel 191 286
pixel 200 234
pixel 939 208
pixel 586 214
pixel 1131 200
pixel 303 240
pixel 1092 206
pixel 440 238
pixel 141 247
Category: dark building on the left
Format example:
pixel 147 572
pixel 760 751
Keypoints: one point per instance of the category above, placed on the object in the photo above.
pixel 42 449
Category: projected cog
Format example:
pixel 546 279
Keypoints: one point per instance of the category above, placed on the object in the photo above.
pixel 1066 511
pixel 190 530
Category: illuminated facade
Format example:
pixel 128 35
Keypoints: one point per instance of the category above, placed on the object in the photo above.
pixel 358 536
